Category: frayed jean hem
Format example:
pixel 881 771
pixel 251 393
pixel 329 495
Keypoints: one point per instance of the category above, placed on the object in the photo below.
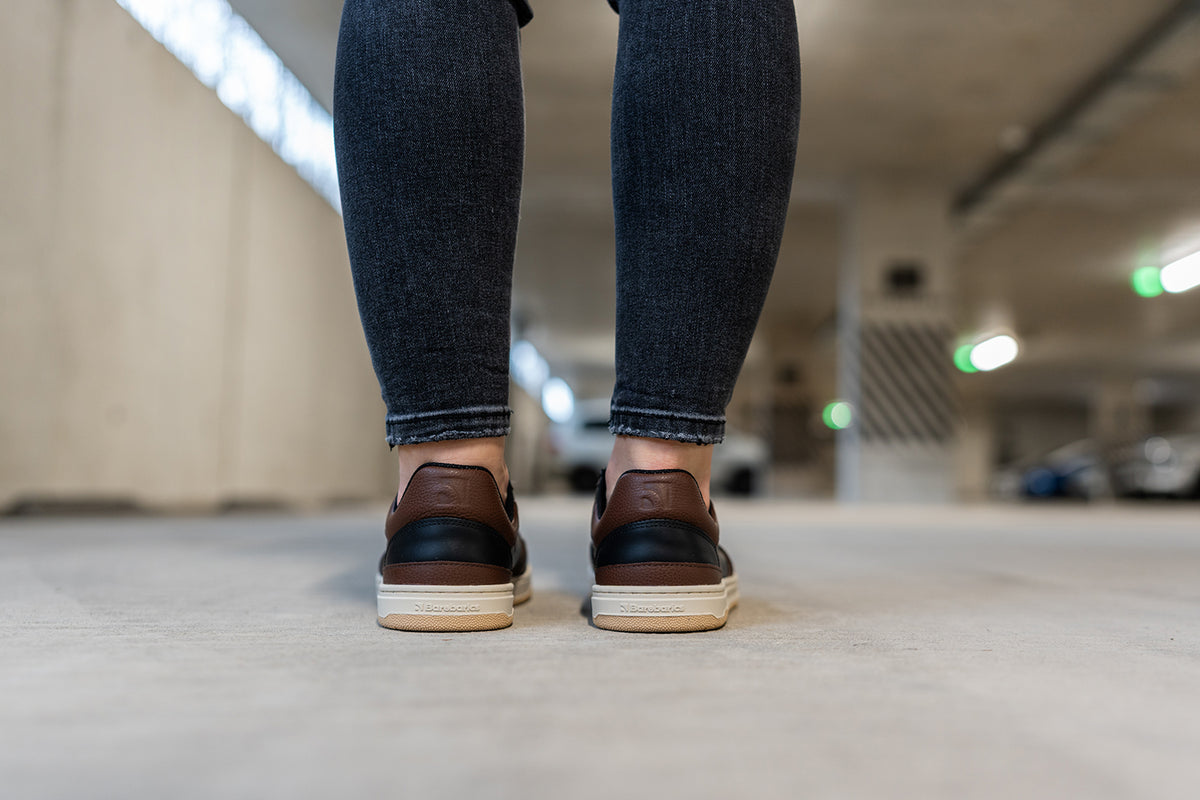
pixel 653 424
pixel 480 422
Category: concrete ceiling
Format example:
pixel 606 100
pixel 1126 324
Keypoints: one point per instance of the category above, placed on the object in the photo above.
pixel 1059 270
pixel 926 90
pixel 303 33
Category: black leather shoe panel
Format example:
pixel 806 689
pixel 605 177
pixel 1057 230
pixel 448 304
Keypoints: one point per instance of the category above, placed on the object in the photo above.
pixel 448 539
pixel 726 563
pixel 657 540
pixel 519 558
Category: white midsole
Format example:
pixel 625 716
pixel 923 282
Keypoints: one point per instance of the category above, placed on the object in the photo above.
pixel 432 600
pixel 665 601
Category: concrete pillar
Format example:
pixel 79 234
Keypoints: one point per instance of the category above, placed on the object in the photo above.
pixel 895 340
pixel 1119 413
pixel 975 454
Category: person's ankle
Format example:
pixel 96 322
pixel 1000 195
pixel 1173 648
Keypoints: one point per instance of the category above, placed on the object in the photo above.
pixel 636 452
pixel 487 453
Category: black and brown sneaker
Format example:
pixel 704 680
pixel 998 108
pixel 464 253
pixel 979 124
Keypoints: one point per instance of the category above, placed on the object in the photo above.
pixel 658 566
pixel 455 560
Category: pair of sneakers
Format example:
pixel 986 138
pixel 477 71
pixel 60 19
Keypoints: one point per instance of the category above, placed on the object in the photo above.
pixel 455 559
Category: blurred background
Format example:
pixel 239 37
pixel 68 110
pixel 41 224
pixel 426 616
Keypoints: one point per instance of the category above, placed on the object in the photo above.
pixel 983 290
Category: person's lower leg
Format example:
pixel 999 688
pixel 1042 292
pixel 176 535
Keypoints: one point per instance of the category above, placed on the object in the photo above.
pixel 705 116
pixel 429 132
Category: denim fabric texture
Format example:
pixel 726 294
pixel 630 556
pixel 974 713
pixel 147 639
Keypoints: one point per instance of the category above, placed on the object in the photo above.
pixel 706 111
pixel 430 137
pixel 429 130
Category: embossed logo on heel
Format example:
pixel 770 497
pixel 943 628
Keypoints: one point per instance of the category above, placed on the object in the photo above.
pixel 651 608
pixel 423 607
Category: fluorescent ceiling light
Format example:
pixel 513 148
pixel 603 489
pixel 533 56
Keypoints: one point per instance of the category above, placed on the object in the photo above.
pixel 994 352
pixel 224 52
pixel 527 366
pixel 1147 281
pixel 962 358
pixel 558 401
pixel 838 415
pixel 1181 275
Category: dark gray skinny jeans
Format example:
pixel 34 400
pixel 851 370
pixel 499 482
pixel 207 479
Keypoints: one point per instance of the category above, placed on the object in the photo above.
pixel 429 128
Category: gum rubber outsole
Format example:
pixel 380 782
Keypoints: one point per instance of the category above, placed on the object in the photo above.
pixel 446 623
pixel 687 624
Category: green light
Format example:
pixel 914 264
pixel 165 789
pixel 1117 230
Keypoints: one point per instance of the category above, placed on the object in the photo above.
pixel 962 358
pixel 837 415
pixel 1146 281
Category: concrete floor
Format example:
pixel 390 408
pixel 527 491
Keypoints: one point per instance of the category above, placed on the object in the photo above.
pixel 1007 653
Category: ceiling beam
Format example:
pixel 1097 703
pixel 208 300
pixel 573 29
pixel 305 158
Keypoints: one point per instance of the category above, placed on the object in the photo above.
pixel 1155 62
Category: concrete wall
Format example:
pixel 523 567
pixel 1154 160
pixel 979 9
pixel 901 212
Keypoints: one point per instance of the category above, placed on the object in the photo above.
pixel 178 323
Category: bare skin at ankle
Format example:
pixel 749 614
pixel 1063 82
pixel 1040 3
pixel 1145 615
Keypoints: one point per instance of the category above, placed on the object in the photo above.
pixel 488 453
pixel 635 452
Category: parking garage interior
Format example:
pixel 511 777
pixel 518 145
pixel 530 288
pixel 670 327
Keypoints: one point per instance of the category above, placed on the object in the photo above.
pixel 962 476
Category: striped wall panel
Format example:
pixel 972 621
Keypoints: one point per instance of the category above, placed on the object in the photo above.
pixel 906 384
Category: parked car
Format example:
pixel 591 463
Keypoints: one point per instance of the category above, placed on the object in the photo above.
pixel 581 447
pixel 1161 466
pixel 1073 470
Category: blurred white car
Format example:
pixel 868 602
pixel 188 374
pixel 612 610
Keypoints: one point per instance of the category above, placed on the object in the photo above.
pixel 1161 466
pixel 581 447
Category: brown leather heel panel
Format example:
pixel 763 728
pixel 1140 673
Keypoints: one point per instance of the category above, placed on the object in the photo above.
pixel 442 490
pixel 658 574
pixel 672 494
pixel 445 573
